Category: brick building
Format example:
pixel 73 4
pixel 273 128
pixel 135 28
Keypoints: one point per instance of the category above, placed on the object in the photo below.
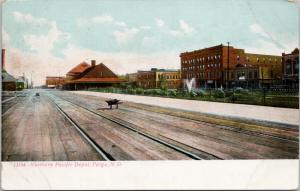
pixel 55 81
pixel 132 79
pixel 85 76
pixel 290 68
pixel 159 78
pixel 211 66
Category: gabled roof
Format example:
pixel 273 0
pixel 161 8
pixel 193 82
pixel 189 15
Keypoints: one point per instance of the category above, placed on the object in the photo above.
pixel 79 68
pixel 98 80
pixel 99 71
pixel 97 74
pixel 6 77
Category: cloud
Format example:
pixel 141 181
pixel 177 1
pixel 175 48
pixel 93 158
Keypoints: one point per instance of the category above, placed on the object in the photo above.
pixel 184 29
pixel 28 18
pixel 37 63
pixel 120 23
pixel 45 43
pixel 149 41
pixel 256 28
pixel 103 19
pixel 268 47
pixel 122 37
pixel 145 27
pixel 122 62
pixel 159 22
pixel 42 65
pixel 100 19
pixel 5 38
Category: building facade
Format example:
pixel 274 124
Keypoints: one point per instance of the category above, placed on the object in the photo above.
pixel 8 81
pixel 211 66
pixel 22 82
pixel 290 68
pixel 55 81
pixel 159 78
pixel 85 76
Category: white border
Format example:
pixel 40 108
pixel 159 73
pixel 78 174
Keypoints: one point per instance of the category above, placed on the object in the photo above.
pixel 218 174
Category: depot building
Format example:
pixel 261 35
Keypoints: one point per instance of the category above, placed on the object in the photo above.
pixel 84 76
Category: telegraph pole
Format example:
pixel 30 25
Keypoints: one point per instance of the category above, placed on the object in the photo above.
pixel 227 75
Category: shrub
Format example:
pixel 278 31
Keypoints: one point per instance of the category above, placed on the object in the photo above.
pixel 201 93
pixel 172 92
pixel 218 93
pixel 139 90
pixel 193 93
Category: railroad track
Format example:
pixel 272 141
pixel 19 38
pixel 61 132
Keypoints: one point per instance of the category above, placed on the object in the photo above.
pixel 228 128
pixel 127 125
pixel 236 129
pixel 9 99
pixel 9 104
pixel 98 149
pixel 12 102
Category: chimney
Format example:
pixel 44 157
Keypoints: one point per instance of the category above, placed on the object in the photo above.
pixel 3 59
pixel 93 62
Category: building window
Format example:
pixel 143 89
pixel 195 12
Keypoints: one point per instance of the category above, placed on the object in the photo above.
pixel 255 74
pixel 250 75
pixel 297 66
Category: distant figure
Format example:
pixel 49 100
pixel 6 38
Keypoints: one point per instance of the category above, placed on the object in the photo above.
pixel 112 102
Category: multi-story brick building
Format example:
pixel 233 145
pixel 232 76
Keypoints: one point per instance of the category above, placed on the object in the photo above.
pixel 159 78
pixel 290 68
pixel 211 66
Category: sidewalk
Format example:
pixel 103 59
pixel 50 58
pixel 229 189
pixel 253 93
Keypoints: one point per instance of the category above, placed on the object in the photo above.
pixel 253 112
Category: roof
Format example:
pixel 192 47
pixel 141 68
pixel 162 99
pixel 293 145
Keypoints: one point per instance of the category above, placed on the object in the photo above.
pixel 99 71
pixel 6 77
pixel 97 74
pixel 158 70
pixel 79 68
pixel 55 77
pixel 97 80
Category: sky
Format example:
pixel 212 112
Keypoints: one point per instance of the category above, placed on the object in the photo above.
pixel 49 37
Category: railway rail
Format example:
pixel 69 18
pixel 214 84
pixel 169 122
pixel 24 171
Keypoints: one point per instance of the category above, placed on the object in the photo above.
pixel 128 126
pixel 98 149
pixel 229 128
pixel 9 104
pixel 240 130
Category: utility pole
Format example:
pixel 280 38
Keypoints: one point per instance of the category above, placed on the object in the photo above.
pixel 227 75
